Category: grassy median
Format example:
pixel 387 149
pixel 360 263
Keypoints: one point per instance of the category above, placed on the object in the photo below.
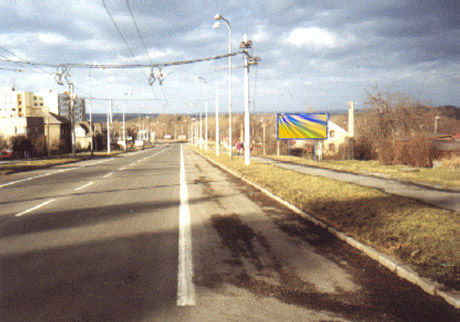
pixel 423 236
pixel 443 177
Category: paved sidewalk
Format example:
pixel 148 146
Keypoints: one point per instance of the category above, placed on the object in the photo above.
pixel 443 199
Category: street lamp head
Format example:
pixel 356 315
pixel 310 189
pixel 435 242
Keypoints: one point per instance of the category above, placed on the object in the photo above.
pixel 217 17
pixel 216 25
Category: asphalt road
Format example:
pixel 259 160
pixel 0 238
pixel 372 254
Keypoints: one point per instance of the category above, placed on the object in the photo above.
pixel 134 238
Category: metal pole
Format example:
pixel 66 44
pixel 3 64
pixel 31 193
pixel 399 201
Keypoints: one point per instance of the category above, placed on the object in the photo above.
pixel 124 135
pixel 201 128
pixel 246 108
pixel 72 120
pixel 206 121
pixel 217 120
pixel 90 113
pixel 109 108
pixel 229 90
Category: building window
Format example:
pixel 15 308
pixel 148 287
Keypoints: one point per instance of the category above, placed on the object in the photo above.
pixel 331 133
pixel 332 147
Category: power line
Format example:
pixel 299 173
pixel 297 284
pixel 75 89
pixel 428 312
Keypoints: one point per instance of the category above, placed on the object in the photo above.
pixel 121 35
pixel 17 56
pixel 138 31
pixel 123 66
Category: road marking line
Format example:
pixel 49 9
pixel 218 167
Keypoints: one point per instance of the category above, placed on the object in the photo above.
pixel 34 208
pixel 185 286
pixel 122 168
pixel 108 175
pixel 85 186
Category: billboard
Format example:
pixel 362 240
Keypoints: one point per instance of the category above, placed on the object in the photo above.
pixel 302 126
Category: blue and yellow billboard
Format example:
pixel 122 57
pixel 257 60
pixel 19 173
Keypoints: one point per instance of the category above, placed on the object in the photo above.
pixel 302 126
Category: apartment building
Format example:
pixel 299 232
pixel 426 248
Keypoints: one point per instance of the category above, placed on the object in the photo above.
pixel 29 127
pixel 20 104
pixel 59 104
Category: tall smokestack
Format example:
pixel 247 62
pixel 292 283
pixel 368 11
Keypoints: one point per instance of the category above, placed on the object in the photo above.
pixel 351 113
pixel 351 129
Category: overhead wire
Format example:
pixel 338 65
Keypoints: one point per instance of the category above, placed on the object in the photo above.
pixel 123 66
pixel 121 35
pixel 19 57
pixel 144 45
pixel 138 31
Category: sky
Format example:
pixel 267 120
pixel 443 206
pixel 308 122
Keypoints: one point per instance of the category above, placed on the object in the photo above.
pixel 320 54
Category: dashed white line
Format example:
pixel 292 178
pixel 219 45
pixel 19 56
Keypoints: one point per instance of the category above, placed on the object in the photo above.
pixel 108 175
pixel 34 208
pixel 84 186
pixel 185 286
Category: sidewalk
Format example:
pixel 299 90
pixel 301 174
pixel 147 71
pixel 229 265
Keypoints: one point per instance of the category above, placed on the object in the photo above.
pixel 443 199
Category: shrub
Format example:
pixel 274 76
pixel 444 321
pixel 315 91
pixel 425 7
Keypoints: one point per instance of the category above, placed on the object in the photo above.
pixel 418 151
pixel 363 149
pixel 452 162
pixel 40 146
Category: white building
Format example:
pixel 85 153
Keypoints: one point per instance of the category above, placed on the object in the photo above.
pixel 20 104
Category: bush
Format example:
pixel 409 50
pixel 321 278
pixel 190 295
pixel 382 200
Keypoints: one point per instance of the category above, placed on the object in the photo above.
pixel 417 151
pixel 385 152
pixel 40 146
pixel 452 162
pixel 363 149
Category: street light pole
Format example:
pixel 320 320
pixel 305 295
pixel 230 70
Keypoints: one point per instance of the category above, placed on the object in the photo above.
pixel 246 108
pixel 206 109
pixel 90 113
pixel 216 25
pixel 217 119
pixel 109 112
pixel 72 120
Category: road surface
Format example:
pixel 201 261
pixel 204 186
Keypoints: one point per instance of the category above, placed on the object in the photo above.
pixel 161 235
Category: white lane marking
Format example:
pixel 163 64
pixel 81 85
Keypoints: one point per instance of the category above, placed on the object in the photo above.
pixel 84 186
pixel 122 168
pixel 48 174
pixel 34 208
pixel 185 286
pixel 108 175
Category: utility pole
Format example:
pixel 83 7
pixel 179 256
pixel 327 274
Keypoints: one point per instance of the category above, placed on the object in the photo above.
pixel 217 119
pixel 72 119
pixel 90 113
pixel 248 60
pixel 124 134
pixel 109 112
pixel 201 129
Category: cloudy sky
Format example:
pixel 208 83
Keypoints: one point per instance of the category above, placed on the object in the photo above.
pixel 316 53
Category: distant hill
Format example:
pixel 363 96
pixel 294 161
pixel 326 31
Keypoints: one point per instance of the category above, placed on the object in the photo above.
pixel 102 117
pixel 450 110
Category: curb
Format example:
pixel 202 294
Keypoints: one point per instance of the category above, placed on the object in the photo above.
pixel 405 272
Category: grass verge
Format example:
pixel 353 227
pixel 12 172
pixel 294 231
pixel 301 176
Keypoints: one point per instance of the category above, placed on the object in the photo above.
pixel 22 166
pixel 442 177
pixel 422 236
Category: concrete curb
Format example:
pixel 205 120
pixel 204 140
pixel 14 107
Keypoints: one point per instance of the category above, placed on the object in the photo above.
pixel 429 286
